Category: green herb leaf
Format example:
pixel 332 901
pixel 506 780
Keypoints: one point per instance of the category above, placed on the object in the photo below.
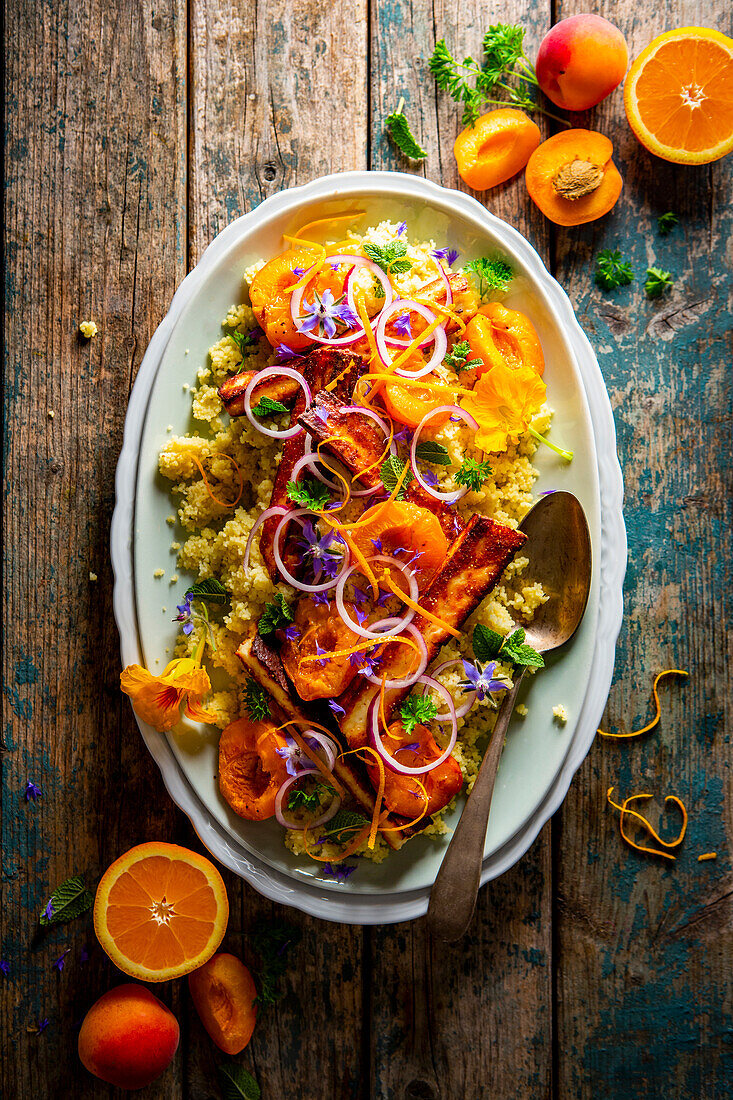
pixel 612 270
pixel 417 709
pixel 256 701
pixel 309 493
pixel 390 473
pixel 237 1083
pixel 344 825
pixel 390 256
pixel 69 900
pixel 210 590
pixel 473 474
pixel 457 357
pixel 246 343
pixel 657 281
pixel 399 130
pixel 486 643
pixel 300 799
pixel 489 274
pixel 275 616
pixel 503 47
pixel 378 290
pixel 515 650
pixel 267 407
pixel 272 942
pixel 430 451
pixel 667 222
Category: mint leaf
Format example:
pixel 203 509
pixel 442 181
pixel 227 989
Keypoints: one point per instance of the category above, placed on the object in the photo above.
pixel 210 590
pixel 415 710
pixel 267 407
pixel 515 650
pixel 69 900
pixel 237 1083
pixel 256 701
pixel 399 130
pixel 486 643
pixel 309 493
pixel 275 616
pixel 457 357
pixel 430 451
pixel 390 474
pixel 344 825
pixel 390 256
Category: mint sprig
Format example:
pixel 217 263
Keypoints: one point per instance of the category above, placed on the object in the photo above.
pixel 390 474
pixel 390 256
pixel 430 451
pixel 399 130
pixel 489 645
pixel 210 590
pixel 276 615
pixel 267 407
pixel 68 901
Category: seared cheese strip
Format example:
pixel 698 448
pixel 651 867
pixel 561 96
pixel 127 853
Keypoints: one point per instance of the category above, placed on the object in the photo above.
pixel 262 663
pixel 356 441
pixel 278 389
pixel 473 566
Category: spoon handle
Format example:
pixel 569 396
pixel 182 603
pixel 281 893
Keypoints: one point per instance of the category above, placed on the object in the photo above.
pixel 453 897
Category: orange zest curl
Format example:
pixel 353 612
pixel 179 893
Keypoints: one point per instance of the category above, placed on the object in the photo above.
pixel 657 716
pixel 409 602
pixel 348 850
pixel 625 811
pixel 221 503
pixel 707 855
pixel 358 648
pixel 314 757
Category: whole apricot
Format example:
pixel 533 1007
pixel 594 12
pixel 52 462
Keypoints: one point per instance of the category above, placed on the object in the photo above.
pixel 128 1037
pixel 223 991
pixel 580 61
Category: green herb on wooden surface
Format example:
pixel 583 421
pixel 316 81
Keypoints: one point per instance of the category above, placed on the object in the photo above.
pixel 69 900
pixel 237 1083
pixel 667 222
pixel 271 942
pixel 399 130
pixel 657 282
pixel 612 270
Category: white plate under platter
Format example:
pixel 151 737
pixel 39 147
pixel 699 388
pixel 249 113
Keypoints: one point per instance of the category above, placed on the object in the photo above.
pixel 540 758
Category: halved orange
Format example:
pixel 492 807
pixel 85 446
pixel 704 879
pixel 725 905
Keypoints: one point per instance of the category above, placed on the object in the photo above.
pixel 678 96
pixel 160 911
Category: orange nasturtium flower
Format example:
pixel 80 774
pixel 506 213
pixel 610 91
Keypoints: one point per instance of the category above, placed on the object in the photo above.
pixel 157 699
pixel 503 403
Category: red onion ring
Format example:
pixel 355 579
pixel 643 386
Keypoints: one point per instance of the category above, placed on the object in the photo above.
pixel 415 676
pixel 438 337
pixel 362 261
pixel 446 281
pixel 461 711
pixel 276 510
pixel 376 739
pixel 370 634
pixel 275 372
pixel 326 743
pixel 402 305
pixel 456 410
pixel 325 816
pixel 310 588
pixel 335 484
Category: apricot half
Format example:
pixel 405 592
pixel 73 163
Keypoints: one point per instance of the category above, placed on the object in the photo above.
pixel 580 61
pixel 223 991
pixel 495 148
pixel 128 1037
pixel 572 178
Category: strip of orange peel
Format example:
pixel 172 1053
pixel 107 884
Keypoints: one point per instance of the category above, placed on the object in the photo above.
pixel 348 850
pixel 657 716
pixel 707 855
pixel 349 216
pixel 323 769
pixel 358 648
pixel 623 808
pixel 219 454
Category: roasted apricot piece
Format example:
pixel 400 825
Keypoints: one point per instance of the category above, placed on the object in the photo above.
pixel 401 793
pixel 224 992
pixel 402 524
pixel 270 294
pixel 495 148
pixel 572 178
pixel 498 335
pixel 250 770
pixel 320 628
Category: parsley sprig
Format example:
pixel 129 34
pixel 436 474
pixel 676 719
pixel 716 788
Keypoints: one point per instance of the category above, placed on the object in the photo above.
pixel 657 282
pixel 256 701
pixel 489 274
pixel 275 616
pixel 667 222
pixel 271 942
pixel 457 357
pixel 612 270
pixel 309 493
pixel 300 799
pixel 473 474
pixel 415 710
pixel 399 130
pixel 390 256
pixel 246 343
pixel 476 85
pixel 488 645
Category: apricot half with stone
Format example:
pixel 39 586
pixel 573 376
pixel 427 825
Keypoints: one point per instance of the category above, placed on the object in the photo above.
pixel 572 178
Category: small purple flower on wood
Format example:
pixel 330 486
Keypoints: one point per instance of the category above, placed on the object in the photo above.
pixel 61 960
pixel 32 791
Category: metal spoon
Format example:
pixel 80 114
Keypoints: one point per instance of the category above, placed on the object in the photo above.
pixel 559 551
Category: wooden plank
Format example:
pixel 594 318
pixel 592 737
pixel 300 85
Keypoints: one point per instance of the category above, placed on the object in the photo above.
pixel 645 948
pixel 441 1015
pixel 278 98
pixel 95 191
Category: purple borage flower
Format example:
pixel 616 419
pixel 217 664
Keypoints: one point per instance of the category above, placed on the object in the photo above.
pixel 61 960
pixel 321 599
pixel 42 1024
pixel 370 664
pixel 403 325
pixel 48 911
pixel 299 272
pixel 319 651
pixel 356 660
pixel 449 254
pixel 320 551
pixel 333 706
pixel 377 544
pixel 412 747
pixel 284 353
pixel 360 615
pixel 480 680
pixel 339 872
pixel 292 633
pixel 404 435
pixel 185 614
pixel 401 228
pixel 430 478
pixel 4 967
pixel 326 313
pixel 360 595
pixel 384 598
pixel 295 761
pixel 31 791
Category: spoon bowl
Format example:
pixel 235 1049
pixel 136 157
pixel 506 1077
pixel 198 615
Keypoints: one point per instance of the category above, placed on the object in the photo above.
pixel 559 551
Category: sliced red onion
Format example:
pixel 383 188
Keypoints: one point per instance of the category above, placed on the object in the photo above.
pixel 311 462
pixel 360 630
pixel 362 261
pixel 438 337
pixel 423 663
pixel 277 510
pixel 355 492
pixel 275 372
pixel 461 711
pixel 376 739
pixel 288 576
pixel 326 743
pixel 325 816
pixel 456 410
pixel 446 281
pixel 401 305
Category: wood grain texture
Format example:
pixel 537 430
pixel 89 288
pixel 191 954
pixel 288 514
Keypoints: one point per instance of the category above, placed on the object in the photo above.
pixel 645 948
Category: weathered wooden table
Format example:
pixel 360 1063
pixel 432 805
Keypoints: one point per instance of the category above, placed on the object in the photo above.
pixel 135 132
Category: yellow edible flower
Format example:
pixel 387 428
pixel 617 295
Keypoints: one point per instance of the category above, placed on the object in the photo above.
pixel 157 699
pixel 503 402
